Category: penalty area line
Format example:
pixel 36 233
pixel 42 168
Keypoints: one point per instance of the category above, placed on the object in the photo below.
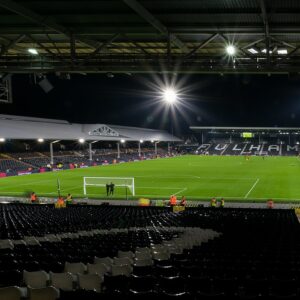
pixel 180 191
pixel 253 186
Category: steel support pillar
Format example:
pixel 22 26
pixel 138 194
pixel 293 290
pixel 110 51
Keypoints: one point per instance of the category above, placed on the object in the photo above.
pixel 90 152
pixel 51 154
pixel 118 148
pixel 139 149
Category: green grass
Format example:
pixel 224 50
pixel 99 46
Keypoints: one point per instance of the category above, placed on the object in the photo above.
pixel 196 177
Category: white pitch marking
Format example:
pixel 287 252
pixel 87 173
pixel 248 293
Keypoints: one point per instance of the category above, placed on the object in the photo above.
pixel 67 189
pixel 27 183
pixel 198 177
pixel 180 191
pixel 159 188
pixel 253 186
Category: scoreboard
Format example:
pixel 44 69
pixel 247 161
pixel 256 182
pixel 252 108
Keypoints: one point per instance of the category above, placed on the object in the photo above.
pixel 247 135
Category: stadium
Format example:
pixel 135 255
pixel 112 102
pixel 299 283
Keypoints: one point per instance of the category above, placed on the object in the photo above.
pixel 149 149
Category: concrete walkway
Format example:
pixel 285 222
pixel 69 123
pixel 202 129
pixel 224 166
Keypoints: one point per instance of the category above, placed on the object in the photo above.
pixel 193 203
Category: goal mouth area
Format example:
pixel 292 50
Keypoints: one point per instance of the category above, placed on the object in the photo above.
pixel 127 182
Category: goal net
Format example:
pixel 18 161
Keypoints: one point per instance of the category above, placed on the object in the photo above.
pixel 102 181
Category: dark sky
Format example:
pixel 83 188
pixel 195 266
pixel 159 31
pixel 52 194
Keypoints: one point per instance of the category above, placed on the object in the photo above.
pixel 229 100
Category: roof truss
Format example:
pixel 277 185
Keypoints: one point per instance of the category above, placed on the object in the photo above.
pixel 149 36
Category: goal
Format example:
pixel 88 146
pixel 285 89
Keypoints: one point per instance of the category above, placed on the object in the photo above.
pixel 127 182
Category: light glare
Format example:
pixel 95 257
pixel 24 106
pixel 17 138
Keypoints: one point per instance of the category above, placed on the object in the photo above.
pixel 170 96
pixel 40 140
pixel 122 141
pixel 33 51
pixel 230 49
pixel 81 141
pixel 2 139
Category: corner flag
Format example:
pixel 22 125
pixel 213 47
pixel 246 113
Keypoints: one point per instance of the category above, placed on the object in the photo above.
pixel 58 187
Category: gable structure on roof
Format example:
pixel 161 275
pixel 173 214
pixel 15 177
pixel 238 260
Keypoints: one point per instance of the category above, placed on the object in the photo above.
pixel 18 127
pixel 104 130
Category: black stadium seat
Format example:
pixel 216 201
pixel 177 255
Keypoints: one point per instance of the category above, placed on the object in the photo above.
pixel 256 255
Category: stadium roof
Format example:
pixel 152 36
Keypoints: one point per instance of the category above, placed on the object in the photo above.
pixel 251 129
pixel 130 36
pixel 26 128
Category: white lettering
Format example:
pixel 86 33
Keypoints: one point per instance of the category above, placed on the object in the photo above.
pixel 290 148
pixel 235 148
pixel 220 147
pixel 203 146
pixel 273 147
pixel 253 147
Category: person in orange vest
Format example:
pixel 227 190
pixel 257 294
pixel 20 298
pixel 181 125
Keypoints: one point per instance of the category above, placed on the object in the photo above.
pixel 60 202
pixel 183 201
pixel 270 203
pixel 33 197
pixel 173 200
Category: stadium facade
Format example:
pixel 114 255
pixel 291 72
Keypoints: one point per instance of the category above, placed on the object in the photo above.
pixel 248 140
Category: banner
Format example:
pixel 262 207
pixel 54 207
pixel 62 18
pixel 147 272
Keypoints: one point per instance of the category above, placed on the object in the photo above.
pixel 42 170
pixel 144 202
pixel 2 174
pixel 20 173
pixel 178 208
pixel 84 166
pixel 159 203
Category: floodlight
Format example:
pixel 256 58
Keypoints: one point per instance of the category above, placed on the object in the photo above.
pixel 253 51
pixel 40 140
pixel 297 143
pixel 81 141
pixel 170 96
pixel 2 139
pixel 32 51
pixel 141 141
pixel 282 51
pixel 265 51
pixel 152 141
pixel 122 141
pixel 231 50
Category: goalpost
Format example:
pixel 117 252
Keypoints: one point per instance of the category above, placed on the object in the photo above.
pixel 127 182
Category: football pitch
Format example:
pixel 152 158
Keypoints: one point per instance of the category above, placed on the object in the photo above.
pixel 196 177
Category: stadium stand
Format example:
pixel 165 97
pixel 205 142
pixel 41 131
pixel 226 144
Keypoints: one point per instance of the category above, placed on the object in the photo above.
pixel 200 253
pixel 248 149
pixel 11 166
pixel 24 162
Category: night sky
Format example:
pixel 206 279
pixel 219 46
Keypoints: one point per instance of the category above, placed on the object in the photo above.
pixel 133 100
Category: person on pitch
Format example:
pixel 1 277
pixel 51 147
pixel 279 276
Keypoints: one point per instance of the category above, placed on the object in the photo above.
pixel 107 189
pixel 112 188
